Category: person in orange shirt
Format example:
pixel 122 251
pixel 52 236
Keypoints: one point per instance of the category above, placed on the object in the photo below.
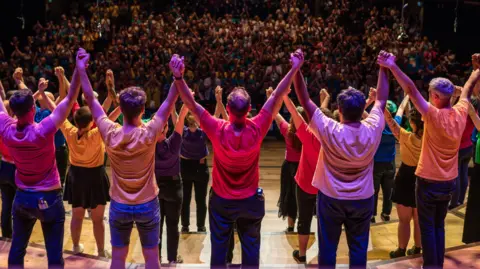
pixel 133 187
pixel 438 164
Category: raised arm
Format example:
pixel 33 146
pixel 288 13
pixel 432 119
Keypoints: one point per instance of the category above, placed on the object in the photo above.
pixel 62 91
pixel 302 94
pixel 18 77
pixel 402 107
pixel 405 82
pixel 220 108
pixel 180 123
pixel 274 103
pixel 3 95
pixel 92 102
pixel 177 67
pixel 473 79
pixel 167 106
pixel 392 124
pixel 297 118
pixel 113 116
pixel 42 86
pixel 110 82
pixel 61 112
pixel 324 98
pixel 2 98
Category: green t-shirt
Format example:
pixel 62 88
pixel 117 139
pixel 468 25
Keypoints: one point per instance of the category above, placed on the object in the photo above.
pixel 477 149
pixel 120 119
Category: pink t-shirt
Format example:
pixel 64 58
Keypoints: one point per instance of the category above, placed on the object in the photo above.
pixel 291 154
pixel 235 172
pixel 345 163
pixel 308 159
pixel 33 151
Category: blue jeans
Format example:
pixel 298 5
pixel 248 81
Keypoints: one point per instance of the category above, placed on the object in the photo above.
pixel 432 204
pixel 147 218
pixel 458 197
pixel 25 214
pixel 355 215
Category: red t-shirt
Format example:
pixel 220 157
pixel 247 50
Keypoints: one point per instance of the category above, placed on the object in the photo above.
pixel 308 159
pixel 466 140
pixel 235 172
pixel 6 156
pixel 291 154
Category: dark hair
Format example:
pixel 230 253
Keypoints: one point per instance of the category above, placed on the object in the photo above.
pixel 21 102
pixel 83 117
pixel 351 102
pixel 132 102
pixel 291 134
pixel 239 101
pixel 415 116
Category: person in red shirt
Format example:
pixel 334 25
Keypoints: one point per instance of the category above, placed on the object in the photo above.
pixel 235 196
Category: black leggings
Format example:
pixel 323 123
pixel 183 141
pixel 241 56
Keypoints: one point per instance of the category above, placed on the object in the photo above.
pixel 287 203
pixel 306 203
pixel 8 190
pixel 194 174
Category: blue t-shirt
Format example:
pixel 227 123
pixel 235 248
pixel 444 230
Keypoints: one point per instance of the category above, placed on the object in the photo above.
pixel 386 150
pixel 42 114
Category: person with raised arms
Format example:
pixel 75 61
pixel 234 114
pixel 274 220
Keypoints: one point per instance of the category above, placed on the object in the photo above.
pixel 344 172
pixel 235 196
pixel 133 187
pixel 437 167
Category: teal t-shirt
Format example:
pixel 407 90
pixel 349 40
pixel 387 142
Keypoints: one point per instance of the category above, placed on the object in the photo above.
pixel 477 149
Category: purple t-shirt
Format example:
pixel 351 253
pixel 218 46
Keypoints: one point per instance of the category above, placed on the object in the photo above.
pixel 167 156
pixel 194 146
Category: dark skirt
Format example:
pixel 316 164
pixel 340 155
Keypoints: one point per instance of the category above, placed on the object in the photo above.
pixel 404 188
pixel 471 228
pixel 87 187
pixel 287 203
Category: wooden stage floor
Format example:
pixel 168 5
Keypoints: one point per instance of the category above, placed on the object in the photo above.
pixel 277 246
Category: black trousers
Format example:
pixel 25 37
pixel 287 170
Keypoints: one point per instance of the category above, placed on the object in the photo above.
pixel 170 198
pixel 306 208
pixel 355 215
pixel 194 174
pixel 8 190
pixel 248 215
pixel 432 204
pixel 384 177
pixel 471 231
pixel 61 156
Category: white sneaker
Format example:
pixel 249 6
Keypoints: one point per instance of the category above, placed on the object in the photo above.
pixel 78 249
pixel 105 254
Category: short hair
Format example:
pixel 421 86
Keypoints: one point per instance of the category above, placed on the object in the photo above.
pixel 351 102
pixel 443 86
pixel 132 102
pixel 21 102
pixel 83 117
pixel 190 119
pixel 239 101
pixel 415 116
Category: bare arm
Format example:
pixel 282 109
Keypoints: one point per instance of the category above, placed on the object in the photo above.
pixel 174 116
pixel 180 123
pixel 474 116
pixel 18 77
pixel 92 102
pixel 2 92
pixel 60 113
pixel 302 94
pixel 297 118
pixel 107 103
pixel 392 124
pixel 59 72
pixel 324 99
pixel 279 120
pixel 382 89
pixel 115 114
pixel 403 106
pixel 42 85
pixel 471 82
pixel 167 106
pixel 274 103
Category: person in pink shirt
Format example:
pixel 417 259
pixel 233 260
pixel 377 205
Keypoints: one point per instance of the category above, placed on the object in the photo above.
pixel 437 168
pixel 344 171
pixel 287 202
pixel 235 196
pixel 39 194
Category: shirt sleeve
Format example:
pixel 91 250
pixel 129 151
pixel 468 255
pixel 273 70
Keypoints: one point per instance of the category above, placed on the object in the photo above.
pixel 302 133
pixel 462 107
pixel 154 126
pixel 263 121
pixel 209 124
pixel 319 122
pixel 67 129
pixel 376 118
pixel 105 127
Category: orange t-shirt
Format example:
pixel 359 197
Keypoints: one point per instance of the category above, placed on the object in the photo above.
pixel 441 141
pixel 132 158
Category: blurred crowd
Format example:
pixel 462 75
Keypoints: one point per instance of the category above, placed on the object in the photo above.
pixel 230 43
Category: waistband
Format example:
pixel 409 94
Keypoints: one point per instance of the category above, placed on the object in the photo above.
pixel 435 181
pixel 45 192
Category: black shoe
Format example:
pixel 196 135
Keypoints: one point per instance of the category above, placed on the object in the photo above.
pixel 298 258
pixel 179 260
pixel 385 217
pixel 185 230
pixel 414 250
pixel 289 230
pixel 372 220
pixel 400 252
pixel 202 229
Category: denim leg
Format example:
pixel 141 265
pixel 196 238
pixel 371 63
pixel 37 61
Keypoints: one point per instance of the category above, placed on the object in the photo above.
pixel 53 222
pixel 23 222
pixel 221 227
pixel 357 229
pixel 330 220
